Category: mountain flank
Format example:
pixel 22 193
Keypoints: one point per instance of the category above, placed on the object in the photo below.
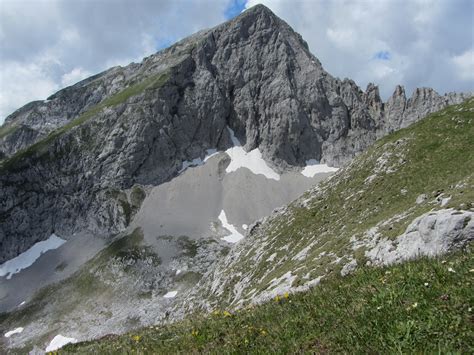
pixel 410 196
pixel 229 172
pixel 70 161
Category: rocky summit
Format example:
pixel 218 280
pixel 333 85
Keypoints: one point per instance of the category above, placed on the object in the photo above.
pixel 143 178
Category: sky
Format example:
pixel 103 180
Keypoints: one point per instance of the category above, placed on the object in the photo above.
pixel 46 45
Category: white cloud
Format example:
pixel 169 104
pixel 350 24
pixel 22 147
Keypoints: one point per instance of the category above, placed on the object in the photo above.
pixel 21 83
pixel 75 75
pixel 342 38
pixel 465 65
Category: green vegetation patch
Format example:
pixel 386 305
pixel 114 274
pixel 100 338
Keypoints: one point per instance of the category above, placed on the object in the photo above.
pixel 129 206
pixel 189 246
pixel 128 250
pixel 7 128
pixel 188 278
pixel 137 196
pixel 41 147
pixel 423 306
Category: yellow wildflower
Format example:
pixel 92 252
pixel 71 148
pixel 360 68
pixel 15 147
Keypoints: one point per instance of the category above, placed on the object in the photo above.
pixel 226 314
pixel 194 333
pixel 277 298
pixel 136 338
pixel 286 295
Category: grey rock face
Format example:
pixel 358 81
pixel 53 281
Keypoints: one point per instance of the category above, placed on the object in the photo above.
pixel 400 112
pixel 431 234
pixel 136 124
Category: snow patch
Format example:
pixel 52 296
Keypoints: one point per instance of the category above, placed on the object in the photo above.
pixel 59 341
pixel 12 332
pixel 244 226
pixel 178 272
pixel 197 161
pixel 251 160
pixel 313 167
pixel 170 294
pixel 27 258
pixel 210 153
pixel 234 236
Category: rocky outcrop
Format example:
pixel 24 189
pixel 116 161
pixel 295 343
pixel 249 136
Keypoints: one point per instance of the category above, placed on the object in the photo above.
pixel 431 234
pixel 79 150
pixel 400 112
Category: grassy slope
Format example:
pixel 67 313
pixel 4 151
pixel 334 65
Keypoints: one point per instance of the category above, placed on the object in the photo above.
pixel 6 129
pixel 420 306
pixel 375 310
pixel 432 157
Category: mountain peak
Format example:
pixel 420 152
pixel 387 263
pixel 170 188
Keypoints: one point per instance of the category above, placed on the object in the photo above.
pixel 258 9
pixel 257 12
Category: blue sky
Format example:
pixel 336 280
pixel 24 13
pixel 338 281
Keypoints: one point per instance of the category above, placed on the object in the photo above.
pixel 235 7
pixel 46 45
pixel 382 55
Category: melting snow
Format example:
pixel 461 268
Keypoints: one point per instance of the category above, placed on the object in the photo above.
pixel 210 153
pixel 234 236
pixel 59 341
pixel 197 161
pixel 244 226
pixel 313 167
pixel 251 160
pixel 14 331
pixel 28 257
pixel 171 294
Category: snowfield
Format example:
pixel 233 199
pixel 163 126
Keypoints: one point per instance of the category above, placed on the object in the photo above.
pixel 12 332
pixel 234 236
pixel 27 258
pixel 313 167
pixel 171 294
pixel 58 342
pixel 254 161
pixel 251 160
